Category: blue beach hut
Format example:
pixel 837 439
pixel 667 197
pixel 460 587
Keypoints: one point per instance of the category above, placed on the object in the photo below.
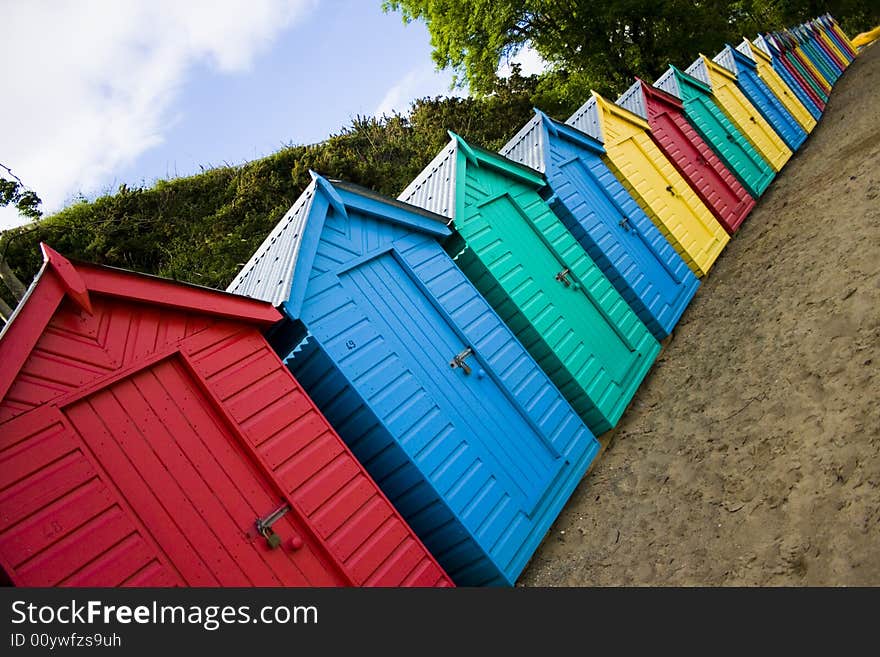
pixel 611 226
pixel 447 411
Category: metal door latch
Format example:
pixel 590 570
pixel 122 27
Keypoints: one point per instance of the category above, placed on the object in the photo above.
pixel 702 161
pixel 670 189
pixel 264 526
pixel 624 223
pixel 458 361
pixel 562 277
pixel 729 137
pixel 752 119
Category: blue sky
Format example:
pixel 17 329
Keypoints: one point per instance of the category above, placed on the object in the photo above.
pixel 130 91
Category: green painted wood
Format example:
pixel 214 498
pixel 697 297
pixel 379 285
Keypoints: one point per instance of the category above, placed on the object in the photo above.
pixel 724 137
pixel 511 245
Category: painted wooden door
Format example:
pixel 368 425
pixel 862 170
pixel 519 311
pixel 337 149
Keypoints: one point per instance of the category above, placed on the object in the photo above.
pixel 566 311
pixel 481 422
pixel 799 86
pixel 773 111
pixel 665 195
pixel 716 186
pixel 727 142
pixel 810 73
pixel 636 249
pixel 750 122
pixel 187 479
pixel 820 60
pixel 783 91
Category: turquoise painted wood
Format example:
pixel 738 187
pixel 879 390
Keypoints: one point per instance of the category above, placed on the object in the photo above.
pixel 718 131
pixel 821 59
pixel 603 217
pixel 761 96
pixel 449 414
pixel 538 278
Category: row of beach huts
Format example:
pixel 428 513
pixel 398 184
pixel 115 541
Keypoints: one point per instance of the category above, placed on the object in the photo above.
pixel 392 392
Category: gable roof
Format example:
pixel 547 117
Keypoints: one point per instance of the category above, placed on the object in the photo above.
pixel 586 119
pixel 277 272
pixel 633 99
pixel 530 145
pixel 659 94
pixel 671 81
pixel 436 187
pixel 60 278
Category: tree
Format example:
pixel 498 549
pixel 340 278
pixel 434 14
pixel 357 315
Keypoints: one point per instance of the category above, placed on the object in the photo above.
pixel 14 192
pixel 597 43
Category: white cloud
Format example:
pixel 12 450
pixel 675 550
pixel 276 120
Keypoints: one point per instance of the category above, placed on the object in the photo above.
pixel 91 84
pixel 530 61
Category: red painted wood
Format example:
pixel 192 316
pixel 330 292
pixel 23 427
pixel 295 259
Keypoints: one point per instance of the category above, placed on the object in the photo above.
pixel 141 438
pixel 712 181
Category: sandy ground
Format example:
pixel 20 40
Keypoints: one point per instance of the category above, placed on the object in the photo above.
pixel 751 455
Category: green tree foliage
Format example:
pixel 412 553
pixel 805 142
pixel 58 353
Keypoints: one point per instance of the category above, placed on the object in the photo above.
pixel 14 192
pixel 602 43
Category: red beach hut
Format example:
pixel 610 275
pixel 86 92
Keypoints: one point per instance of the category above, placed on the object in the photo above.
pixel 712 181
pixel 149 436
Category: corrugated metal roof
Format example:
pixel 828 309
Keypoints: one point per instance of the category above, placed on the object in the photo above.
pixel 761 43
pixel 434 188
pixel 699 71
pixel 586 119
pixel 268 275
pixel 634 100
pixel 746 48
pixel 527 145
pixel 726 59
pixel 669 83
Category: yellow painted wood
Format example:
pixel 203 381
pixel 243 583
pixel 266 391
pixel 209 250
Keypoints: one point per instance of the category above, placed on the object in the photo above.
pixel 745 116
pixel 660 190
pixel 829 42
pixel 779 87
pixel 821 79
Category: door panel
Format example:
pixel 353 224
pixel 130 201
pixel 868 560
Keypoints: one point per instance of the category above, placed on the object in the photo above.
pixel 482 419
pixel 575 326
pixel 192 484
pixel 605 207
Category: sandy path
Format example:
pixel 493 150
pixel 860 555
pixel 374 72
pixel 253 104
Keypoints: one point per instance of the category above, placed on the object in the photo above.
pixel 751 455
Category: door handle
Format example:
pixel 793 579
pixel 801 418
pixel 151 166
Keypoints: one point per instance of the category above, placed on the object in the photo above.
pixel 264 526
pixel 562 277
pixel 670 189
pixel 459 361
pixel 729 137
pixel 624 223
pixel 752 119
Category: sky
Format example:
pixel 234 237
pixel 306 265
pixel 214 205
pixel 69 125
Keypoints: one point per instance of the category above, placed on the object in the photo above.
pixel 107 92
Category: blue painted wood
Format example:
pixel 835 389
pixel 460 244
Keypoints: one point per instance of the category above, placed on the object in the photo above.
pixel 611 226
pixel 479 465
pixel 796 87
pixel 763 98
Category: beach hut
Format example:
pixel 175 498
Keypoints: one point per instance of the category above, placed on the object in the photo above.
pixel 717 130
pixel 792 75
pixel 761 96
pixel 538 278
pixel 712 181
pixel 783 90
pixel 149 436
pixel 433 393
pixel 794 53
pixel 820 35
pixel 833 30
pixel 818 52
pixel 606 220
pixel 740 111
pixel 665 196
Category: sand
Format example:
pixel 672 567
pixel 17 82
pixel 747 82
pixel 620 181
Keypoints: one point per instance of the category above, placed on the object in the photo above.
pixel 751 454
